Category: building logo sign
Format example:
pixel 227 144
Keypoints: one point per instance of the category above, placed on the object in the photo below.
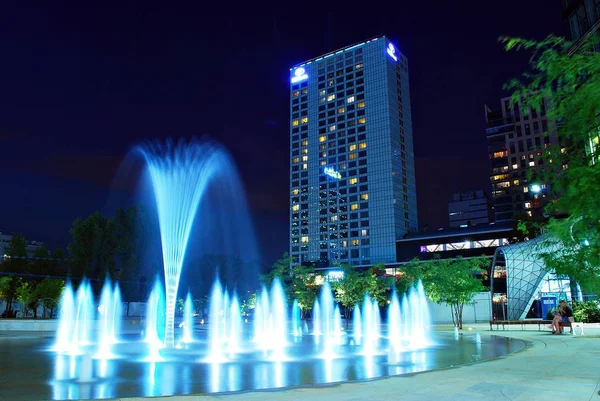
pixel 391 51
pixel 332 173
pixel 299 75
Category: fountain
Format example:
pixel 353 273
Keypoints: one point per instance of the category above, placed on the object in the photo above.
pixel 188 319
pixel 266 350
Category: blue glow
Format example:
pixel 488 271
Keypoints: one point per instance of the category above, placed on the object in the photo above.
pixel 536 188
pixel 299 75
pixel 391 50
pixel 180 174
pixel 332 173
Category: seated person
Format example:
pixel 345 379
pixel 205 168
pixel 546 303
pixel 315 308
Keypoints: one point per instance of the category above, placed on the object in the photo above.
pixel 563 314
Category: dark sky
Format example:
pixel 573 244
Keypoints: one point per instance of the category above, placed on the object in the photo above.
pixel 80 86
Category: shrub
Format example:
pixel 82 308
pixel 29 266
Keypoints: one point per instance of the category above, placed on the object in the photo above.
pixel 586 312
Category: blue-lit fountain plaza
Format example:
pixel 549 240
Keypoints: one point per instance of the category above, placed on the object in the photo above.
pixel 97 353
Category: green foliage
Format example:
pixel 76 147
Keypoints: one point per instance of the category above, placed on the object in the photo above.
pixel 351 289
pixel 92 249
pixel 17 255
pixel 586 312
pixel 5 284
pixel 26 294
pixel 298 282
pixel 450 281
pixel 568 82
pixel 49 292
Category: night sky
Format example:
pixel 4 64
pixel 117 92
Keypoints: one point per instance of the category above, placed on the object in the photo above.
pixel 80 86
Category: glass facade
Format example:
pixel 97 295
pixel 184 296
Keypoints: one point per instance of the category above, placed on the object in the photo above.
pixel 352 178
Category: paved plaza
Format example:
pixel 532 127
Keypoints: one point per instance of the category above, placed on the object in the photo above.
pixel 551 367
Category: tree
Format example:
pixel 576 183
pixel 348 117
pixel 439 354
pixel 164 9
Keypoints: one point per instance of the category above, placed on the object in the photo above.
pixel 298 282
pixel 92 249
pixel 49 292
pixel 351 289
pixel 26 294
pixel 452 281
pixel 16 263
pixel 569 82
pixel 130 243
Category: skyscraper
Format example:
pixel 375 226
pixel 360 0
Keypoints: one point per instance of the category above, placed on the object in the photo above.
pixel 582 20
pixel 516 143
pixel 352 176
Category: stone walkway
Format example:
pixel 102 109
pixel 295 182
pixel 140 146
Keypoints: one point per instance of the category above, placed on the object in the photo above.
pixel 551 367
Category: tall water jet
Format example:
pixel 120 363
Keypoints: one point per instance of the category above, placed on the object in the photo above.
pixel 296 321
pixel 395 324
pixel 279 320
pixel 234 341
pixel 217 328
pixel 326 321
pixel 179 174
pixel 117 312
pixel 106 322
pixel 66 320
pixel 152 336
pixel 188 319
pixel 371 326
pixel 85 315
pixel 357 325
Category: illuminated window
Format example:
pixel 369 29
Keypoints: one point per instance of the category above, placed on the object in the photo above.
pixel 304 143
pixel 304 158
pixel 303 239
pixel 353 180
pixel 305 166
pixel 525 189
pixel 322 92
pixel 500 154
pixel 333 218
pixel 350 99
pixel 362 120
pixel 295 191
pixel 364 232
pixel 354 206
pixel 295 208
pixel 304 120
pixel 360 105
pixel 355 242
pixel 352 147
pixel 516 182
pixel 296 94
pixel 305 151
pixel 323 138
pixel 304 91
pixel 352 156
pixel 344 244
pixel 359 66
pixel 296 160
pixel 341 110
pixel 330 97
pixel 295 123
pixel 324 154
pixel 531 163
pixel 362 145
pixel 364 196
pixel 527 205
pixel 323 162
pixel 515 166
pixel 322 100
pixel 332 128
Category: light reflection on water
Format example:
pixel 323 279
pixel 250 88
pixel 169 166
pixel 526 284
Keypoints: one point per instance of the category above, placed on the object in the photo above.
pixel 183 374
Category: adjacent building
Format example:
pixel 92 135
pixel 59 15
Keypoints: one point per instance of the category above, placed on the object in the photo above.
pixel 5 240
pixel 352 176
pixel 582 20
pixel 469 208
pixel 516 142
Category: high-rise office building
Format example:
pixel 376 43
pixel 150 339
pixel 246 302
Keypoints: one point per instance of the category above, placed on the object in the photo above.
pixel 352 176
pixel 516 143
pixel 582 20
pixel 469 208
